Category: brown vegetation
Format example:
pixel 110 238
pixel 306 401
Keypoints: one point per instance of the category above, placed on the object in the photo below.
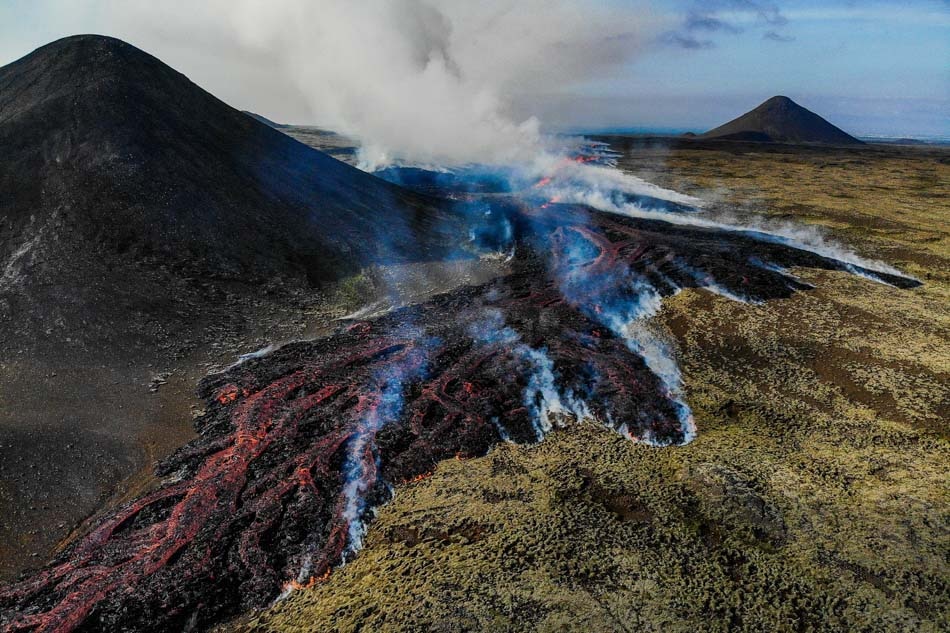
pixel 815 497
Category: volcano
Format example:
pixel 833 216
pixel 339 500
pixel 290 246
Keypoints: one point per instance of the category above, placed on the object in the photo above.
pixel 112 157
pixel 298 447
pixel 141 221
pixel 781 120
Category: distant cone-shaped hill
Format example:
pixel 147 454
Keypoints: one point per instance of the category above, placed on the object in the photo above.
pixel 107 148
pixel 781 120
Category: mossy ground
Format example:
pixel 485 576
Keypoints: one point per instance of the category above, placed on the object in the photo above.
pixel 815 497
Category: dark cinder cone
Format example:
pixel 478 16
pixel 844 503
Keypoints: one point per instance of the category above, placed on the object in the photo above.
pixel 781 120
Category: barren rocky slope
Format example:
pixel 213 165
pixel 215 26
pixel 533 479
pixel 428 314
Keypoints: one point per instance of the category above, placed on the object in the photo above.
pixel 148 230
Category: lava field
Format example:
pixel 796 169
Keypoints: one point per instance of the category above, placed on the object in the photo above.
pixel 298 447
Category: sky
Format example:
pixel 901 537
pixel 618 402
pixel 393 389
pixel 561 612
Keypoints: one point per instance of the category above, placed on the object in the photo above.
pixel 871 67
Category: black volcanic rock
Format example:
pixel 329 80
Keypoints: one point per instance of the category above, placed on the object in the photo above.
pixel 781 120
pixel 146 227
pixel 129 158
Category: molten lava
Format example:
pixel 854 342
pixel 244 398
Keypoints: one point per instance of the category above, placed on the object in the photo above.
pixel 417 478
pixel 298 447
pixel 543 182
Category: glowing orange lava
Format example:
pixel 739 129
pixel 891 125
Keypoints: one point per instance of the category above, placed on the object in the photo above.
pixel 294 585
pixel 227 394
pixel 418 478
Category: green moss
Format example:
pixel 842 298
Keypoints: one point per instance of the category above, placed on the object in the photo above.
pixel 814 499
pixel 354 291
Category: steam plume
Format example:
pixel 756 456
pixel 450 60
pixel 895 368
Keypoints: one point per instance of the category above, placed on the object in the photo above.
pixel 415 80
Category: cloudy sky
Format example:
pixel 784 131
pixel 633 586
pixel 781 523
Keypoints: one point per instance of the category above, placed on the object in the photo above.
pixel 874 68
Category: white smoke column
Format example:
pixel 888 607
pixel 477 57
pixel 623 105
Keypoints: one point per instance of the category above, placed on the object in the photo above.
pixel 427 81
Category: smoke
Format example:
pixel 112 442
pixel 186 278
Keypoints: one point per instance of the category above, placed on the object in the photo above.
pixel 622 301
pixel 604 184
pixel 427 81
pixel 361 464
pixel 431 83
pixel 542 397
pixel 609 190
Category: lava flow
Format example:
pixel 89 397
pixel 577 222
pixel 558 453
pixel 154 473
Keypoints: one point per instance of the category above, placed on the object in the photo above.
pixel 298 447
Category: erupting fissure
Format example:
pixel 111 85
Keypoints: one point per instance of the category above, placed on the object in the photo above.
pixel 300 445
